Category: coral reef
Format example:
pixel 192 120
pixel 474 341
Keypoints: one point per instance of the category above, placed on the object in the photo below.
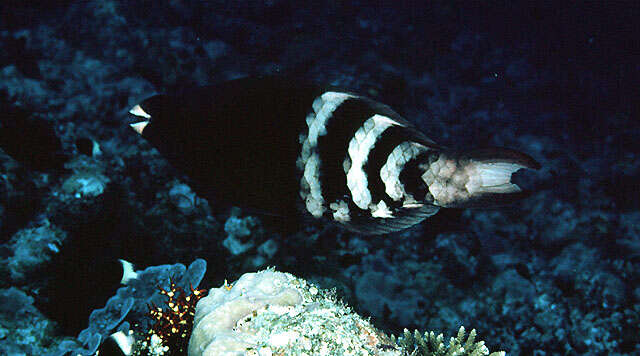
pixel 275 313
pixel 271 312
pixel 171 331
pixel 432 345
pixel 32 248
pixel 555 274
pixel 131 302
pixel 23 329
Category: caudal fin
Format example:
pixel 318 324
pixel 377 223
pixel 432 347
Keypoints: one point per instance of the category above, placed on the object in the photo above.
pixel 477 178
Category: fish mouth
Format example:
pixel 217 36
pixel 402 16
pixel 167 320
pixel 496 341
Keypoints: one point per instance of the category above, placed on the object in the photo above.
pixel 139 113
pixel 139 126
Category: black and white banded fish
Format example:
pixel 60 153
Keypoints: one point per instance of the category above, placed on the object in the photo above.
pixel 287 148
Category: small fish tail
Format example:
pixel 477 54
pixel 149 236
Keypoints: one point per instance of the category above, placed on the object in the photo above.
pixel 477 178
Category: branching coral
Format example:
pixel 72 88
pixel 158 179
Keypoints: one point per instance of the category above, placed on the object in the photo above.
pixel 431 345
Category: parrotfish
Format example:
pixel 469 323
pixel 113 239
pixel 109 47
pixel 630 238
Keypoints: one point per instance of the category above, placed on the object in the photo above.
pixel 295 149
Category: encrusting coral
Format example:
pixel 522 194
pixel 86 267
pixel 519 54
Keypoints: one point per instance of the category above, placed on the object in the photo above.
pixel 262 314
pixel 275 313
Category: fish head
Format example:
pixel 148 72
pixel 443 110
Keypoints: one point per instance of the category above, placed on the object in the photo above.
pixel 165 124
pixel 174 126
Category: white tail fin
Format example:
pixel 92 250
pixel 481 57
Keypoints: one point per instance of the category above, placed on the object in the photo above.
pixel 478 178
pixel 492 177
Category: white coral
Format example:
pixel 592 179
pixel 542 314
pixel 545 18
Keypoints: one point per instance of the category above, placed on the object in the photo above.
pixel 274 313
